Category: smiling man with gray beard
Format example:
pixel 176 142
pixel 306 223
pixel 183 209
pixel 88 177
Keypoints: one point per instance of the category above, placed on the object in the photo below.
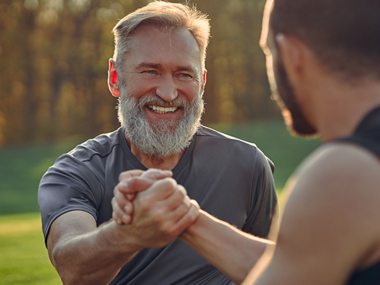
pixel 164 138
pixel 200 175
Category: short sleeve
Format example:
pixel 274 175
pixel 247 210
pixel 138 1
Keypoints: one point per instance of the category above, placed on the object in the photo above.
pixel 264 198
pixel 69 185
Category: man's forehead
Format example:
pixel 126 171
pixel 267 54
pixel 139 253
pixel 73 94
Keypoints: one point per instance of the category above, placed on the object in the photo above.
pixel 149 45
pixel 147 30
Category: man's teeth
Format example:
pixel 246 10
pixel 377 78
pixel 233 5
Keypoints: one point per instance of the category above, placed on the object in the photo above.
pixel 163 110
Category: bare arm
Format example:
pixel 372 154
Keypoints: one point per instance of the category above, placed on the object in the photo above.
pixel 230 250
pixel 327 230
pixel 85 254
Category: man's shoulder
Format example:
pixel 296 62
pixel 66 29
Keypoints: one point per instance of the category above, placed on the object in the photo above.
pixel 333 206
pixel 89 159
pixel 238 149
pixel 101 146
pixel 344 176
pixel 209 133
pixel 340 159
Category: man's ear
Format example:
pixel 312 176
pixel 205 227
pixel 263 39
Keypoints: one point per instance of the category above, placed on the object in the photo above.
pixel 292 54
pixel 112 79
pixel 204 79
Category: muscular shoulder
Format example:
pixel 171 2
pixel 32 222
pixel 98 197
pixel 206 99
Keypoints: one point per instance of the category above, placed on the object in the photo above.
pixel 228 147
pixel 340 168
pixel 334 204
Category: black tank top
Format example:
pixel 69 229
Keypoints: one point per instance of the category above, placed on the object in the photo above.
pixel 367 135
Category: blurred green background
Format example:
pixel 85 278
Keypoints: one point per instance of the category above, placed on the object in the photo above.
pixel 53 95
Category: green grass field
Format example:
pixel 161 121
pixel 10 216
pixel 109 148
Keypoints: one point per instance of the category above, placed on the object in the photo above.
pixel 21 169
pixel 23 257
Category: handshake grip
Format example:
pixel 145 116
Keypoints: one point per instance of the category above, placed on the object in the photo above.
pixel 151 208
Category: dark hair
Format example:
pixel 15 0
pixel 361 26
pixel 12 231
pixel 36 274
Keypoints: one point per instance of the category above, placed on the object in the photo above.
pixel 343 34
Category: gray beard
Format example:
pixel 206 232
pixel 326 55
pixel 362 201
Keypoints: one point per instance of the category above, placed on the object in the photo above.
pixel 162 138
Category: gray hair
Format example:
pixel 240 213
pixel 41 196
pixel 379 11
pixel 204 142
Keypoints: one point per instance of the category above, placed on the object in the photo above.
pixel 162 15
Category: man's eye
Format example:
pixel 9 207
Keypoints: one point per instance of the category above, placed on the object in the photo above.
pixel 185 75
pixel 150 71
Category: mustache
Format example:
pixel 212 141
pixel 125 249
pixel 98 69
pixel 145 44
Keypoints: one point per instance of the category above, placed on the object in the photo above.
pixel 153 99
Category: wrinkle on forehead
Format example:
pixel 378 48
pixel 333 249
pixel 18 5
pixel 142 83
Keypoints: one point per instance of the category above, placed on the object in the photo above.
pixel 170 38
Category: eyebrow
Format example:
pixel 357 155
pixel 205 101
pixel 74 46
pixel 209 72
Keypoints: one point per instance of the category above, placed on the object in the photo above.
pixel 186 68
pixel 159 66
pixel 148 65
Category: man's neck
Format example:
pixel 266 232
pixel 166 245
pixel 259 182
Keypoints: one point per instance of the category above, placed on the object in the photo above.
pixel 150 161
pixel 344 107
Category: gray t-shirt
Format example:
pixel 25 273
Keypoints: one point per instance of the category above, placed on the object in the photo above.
pixel 229 178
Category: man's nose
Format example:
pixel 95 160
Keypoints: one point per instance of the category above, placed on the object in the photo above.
pixel 167 89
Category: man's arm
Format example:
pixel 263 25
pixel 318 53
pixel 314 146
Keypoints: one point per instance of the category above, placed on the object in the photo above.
pixel 328 227
pixel 229 249
pixel 85 254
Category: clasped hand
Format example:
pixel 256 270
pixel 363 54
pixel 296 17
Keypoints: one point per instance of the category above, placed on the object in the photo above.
pixel 151 208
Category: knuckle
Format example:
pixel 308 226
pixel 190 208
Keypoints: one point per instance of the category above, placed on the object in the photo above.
pixel 195 204
pixel 182 190
pixel 194 213
pixel 166 229
pixel 122 176
pixel 132 181
pixel 182 194
pixel 115 218
pixel 187 201
pixel 119 199
pixel 115 207
pixel 149 173
pixel 116 211
pixel 169 183
pixel 182 210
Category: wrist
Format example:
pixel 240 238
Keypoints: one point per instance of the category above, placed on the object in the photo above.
pixel 117 237
pixel 196 229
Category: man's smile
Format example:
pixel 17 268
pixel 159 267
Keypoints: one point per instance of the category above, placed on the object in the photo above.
pixel 162 110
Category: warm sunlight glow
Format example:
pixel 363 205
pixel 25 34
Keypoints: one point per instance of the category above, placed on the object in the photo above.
pixel 265 26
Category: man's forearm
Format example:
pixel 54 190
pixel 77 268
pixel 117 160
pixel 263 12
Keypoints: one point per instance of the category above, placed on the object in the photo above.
pixel 230 250
pixel 91 258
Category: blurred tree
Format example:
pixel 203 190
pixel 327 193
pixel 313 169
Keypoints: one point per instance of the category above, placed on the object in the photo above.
pixel 54 57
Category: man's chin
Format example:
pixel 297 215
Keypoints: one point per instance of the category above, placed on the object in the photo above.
pixel 166 127
pixel 299 126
